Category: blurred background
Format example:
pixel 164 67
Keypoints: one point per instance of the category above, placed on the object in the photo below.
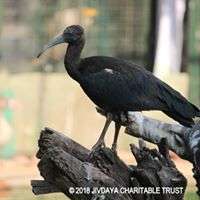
pixel 163 35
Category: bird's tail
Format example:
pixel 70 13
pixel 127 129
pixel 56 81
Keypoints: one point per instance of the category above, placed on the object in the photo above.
pixel 179 108
pixel 182 120
pixel 184 112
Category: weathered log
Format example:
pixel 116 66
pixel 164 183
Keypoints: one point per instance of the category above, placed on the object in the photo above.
pixel 67 167
pixel 183 141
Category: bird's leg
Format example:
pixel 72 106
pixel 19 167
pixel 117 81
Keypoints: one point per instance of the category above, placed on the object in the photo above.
pixel 100 141
pixel 114 144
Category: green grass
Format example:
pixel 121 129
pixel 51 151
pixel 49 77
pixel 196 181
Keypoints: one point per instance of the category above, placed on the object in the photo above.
pixel 191 196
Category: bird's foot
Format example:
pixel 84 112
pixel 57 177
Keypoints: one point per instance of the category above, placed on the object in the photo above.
pixel 96 147
pixel 114 148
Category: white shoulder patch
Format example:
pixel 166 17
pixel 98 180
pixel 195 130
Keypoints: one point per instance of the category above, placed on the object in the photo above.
pixel 109 71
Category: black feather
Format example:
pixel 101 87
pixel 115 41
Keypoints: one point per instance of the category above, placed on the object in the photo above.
pixel 117 85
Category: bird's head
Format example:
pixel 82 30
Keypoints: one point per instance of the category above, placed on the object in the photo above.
pixel 71 35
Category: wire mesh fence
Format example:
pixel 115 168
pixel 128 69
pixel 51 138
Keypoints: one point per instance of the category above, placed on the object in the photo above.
pixel 114 28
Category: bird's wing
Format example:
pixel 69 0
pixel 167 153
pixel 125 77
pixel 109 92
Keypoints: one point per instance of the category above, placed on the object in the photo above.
pixel 137 85
pixel 176 102
pixel 107 89
pixel 167 99
pixel 121 84
pixel 95 64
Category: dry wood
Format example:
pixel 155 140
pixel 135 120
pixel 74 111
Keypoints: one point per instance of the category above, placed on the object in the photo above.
pixel 65 164
pixel 183 141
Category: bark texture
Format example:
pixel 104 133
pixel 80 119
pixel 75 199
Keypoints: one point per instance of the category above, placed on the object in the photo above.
pixel 66 165
pixel 183 141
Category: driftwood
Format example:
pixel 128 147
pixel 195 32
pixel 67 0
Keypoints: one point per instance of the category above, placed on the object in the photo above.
pixel 67 167
pixel 183 141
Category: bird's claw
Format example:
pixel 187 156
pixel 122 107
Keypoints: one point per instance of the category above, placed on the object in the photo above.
pixel 96 148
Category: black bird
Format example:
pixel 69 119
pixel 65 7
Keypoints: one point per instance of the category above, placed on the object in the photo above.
pixel 118 86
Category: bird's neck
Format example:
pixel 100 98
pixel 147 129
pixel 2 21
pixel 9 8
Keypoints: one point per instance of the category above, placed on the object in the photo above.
pixel 72 59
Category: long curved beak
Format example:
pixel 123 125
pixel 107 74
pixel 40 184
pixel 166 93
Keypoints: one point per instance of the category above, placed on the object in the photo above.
pixel 55 41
